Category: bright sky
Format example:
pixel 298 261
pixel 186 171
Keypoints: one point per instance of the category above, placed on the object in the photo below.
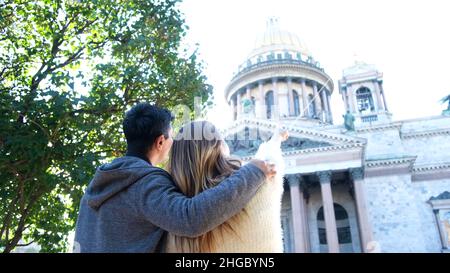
pixel 408 41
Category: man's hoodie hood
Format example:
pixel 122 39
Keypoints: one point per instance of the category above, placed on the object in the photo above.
pixel 112 178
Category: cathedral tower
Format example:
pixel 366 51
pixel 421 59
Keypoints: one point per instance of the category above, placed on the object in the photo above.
pixel 362 91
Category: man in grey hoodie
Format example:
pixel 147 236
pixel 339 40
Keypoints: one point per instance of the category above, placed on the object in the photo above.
pixel 130 204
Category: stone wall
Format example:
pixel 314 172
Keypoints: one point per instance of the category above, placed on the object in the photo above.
pixel 423 191
pixel 429 149
pixel 386 143
pixel 394 215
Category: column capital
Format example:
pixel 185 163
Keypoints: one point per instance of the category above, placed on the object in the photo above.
pixel 289 79
pixel 274 80
pixel 292 180
pixel 260 82
pixel 324 176
pixel 357 173
pixel 436 211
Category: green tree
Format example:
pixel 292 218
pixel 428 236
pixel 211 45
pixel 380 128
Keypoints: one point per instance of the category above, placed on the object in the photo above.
pixel 69 69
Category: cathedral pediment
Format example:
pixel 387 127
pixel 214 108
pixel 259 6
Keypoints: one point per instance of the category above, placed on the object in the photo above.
pixel 246 142
pixel 245 136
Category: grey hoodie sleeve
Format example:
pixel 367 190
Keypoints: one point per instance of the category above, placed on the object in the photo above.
pixel 165 206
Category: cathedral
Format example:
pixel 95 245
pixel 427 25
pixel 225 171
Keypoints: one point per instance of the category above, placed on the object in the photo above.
pixel 371 184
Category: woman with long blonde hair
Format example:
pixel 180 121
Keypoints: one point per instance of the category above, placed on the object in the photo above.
pixel 199 159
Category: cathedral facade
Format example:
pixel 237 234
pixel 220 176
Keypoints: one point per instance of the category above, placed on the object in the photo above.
pixel 369 185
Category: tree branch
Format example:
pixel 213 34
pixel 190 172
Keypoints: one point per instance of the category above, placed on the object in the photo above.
pixel 112 109
pixel 18 245
pixel 7 220
pixel 38 125
pixel 11 244
pixel 83 28
pixel 69 60
pixel 2 72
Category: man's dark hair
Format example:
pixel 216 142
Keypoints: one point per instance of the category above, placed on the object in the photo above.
pixel 144 123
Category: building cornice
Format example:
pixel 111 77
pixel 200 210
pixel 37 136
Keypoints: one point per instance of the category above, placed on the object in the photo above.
pixel 389 166
pixel 428 133
pixel 431 167
pixel 375 163
pixel 437 171
pixel 324 149
pixel 380 127
pixel 251 76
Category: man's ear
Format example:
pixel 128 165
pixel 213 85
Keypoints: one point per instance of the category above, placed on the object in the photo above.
pixel 159 142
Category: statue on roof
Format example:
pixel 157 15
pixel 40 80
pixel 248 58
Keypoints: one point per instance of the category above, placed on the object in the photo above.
pixel 445 99
pixel 248 107
pixel 349 121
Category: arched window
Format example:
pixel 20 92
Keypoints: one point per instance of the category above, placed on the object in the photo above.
pixel 365 100
pixel 342 224
pixel 269 104
pixel 311 106
pixel 296 103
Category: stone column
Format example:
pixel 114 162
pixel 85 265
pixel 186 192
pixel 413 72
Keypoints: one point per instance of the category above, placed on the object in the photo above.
pixel 325 103
pixel 290 97
pixel 365 229
pixel 352 97
pixel 384 98
pixel 239 105
pixel 262 99
pixel 346 102
pixel 298 211
pixel 248 96
pixel 375 101
pixel 316 100
pixel 378 95
pixel 305 99
pixel 330 114
pixel 304 198
pixel 234 104
pixel 275 108
pixel 247 92
pixel 328 209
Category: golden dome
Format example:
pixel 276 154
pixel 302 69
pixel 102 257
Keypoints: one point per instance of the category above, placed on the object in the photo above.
pixel 276 39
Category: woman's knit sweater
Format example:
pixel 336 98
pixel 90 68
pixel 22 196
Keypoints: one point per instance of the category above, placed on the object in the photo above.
pixel 258 227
